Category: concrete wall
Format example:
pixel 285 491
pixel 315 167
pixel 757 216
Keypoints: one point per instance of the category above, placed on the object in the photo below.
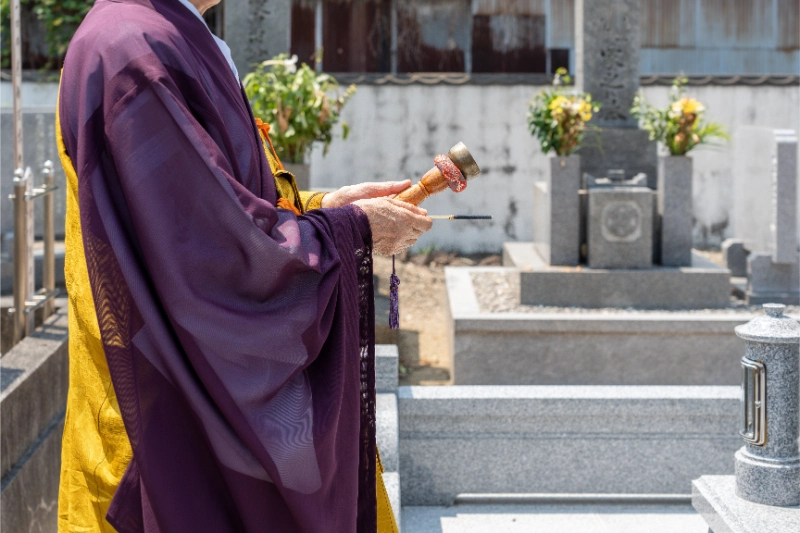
pixel 396 131
pixel 32 405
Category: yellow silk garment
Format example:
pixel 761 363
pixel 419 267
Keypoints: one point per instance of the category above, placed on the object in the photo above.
pixel 95 447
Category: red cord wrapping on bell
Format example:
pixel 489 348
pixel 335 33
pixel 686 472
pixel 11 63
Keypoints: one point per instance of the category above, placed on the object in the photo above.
pixel 450 171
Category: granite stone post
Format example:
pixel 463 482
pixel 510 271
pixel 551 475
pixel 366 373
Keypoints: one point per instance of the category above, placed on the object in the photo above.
pixel 735 255
pixel 768 466
pixel 256 30
pixel 784 198
pixel 765 191
pixel 557 217
pixel 675 210
pixel 607 50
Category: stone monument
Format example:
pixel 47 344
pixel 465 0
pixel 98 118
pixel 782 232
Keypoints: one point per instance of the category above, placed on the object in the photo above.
pixel 764 495
pixel 773 267
pixel 623 222
pixel 607 49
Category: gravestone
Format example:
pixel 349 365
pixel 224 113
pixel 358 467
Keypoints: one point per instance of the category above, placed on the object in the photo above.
pixel 735 255
pixel 607 50
pixel 765 211
pixel 764 183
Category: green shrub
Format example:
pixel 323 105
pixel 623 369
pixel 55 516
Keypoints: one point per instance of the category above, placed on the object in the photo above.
pixel 300 105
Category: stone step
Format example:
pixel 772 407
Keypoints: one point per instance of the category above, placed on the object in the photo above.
pixel 570 518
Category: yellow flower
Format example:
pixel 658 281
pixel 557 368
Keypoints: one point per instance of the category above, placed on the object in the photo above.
pixel 558 104
pixel 690 106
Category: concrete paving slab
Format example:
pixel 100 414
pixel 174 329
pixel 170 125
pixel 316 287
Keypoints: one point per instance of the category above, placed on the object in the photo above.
pixel 600 518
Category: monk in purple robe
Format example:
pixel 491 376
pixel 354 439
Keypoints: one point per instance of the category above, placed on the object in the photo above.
pixel 221 347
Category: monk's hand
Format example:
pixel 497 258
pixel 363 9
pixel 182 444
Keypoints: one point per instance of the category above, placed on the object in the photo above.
pixel 363 191
pixel 395 225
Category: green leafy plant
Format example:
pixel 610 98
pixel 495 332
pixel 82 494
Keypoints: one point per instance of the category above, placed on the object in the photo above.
pixel 680 126
pixel 59 19
pixel 301 105
pixel 558 117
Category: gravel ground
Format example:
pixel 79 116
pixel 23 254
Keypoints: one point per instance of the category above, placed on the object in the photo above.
pixel 422 338
pixel 498 292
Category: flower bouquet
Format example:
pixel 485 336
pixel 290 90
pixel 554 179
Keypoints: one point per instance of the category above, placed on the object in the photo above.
pixel 681 125
pixel 558 117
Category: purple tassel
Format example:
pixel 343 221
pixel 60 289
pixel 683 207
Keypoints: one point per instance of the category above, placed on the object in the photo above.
pixel 394 305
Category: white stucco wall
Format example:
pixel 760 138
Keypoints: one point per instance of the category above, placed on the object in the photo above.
pixel 397 130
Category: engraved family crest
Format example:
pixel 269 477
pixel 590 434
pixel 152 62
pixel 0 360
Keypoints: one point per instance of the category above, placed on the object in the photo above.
pixel 621 221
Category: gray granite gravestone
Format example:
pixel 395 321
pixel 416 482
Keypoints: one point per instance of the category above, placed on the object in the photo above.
pixel 772 234
pixel 675 210
pixel 620 227
pixel 607 50
pixel 765 190
pixel 556 207
pixel 735 255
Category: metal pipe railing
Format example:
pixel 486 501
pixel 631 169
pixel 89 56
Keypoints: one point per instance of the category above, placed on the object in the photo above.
pixel 26 299
pixel 21 180
pixel 49 236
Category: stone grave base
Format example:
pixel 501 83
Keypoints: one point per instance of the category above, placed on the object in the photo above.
pixel 714 497
pixel 704 285
pixel 515 444
pixel 588 348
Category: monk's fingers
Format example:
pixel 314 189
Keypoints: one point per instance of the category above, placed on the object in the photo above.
pixel 408 207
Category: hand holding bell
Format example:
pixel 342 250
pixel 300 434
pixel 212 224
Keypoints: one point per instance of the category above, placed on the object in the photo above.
pixel 449 171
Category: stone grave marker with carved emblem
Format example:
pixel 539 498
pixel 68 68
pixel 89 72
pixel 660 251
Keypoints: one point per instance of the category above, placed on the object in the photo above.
pixel 607 53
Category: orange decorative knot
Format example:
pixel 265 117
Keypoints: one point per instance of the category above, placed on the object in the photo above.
pixel 264 128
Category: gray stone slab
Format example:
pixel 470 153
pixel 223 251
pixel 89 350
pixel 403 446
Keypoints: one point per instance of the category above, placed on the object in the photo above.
pixel 392 482
pixel 386 430
pixel 457 439
pixel 553 519
pixel 386 361
pixel 675 210
pixel 29 501
pixel 557 212
pixel 704 285
pixel 613 148
pixel 607 50
pixel 620 228
pixel 32 404
pixel 735 255
pixel 715 499
pixel 769 282
pixel 34 388
pixel 765 190
pixel 257 30
pixel 784 211
pixel 588 348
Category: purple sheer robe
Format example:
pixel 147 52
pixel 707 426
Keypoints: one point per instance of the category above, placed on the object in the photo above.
pixel 239 337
